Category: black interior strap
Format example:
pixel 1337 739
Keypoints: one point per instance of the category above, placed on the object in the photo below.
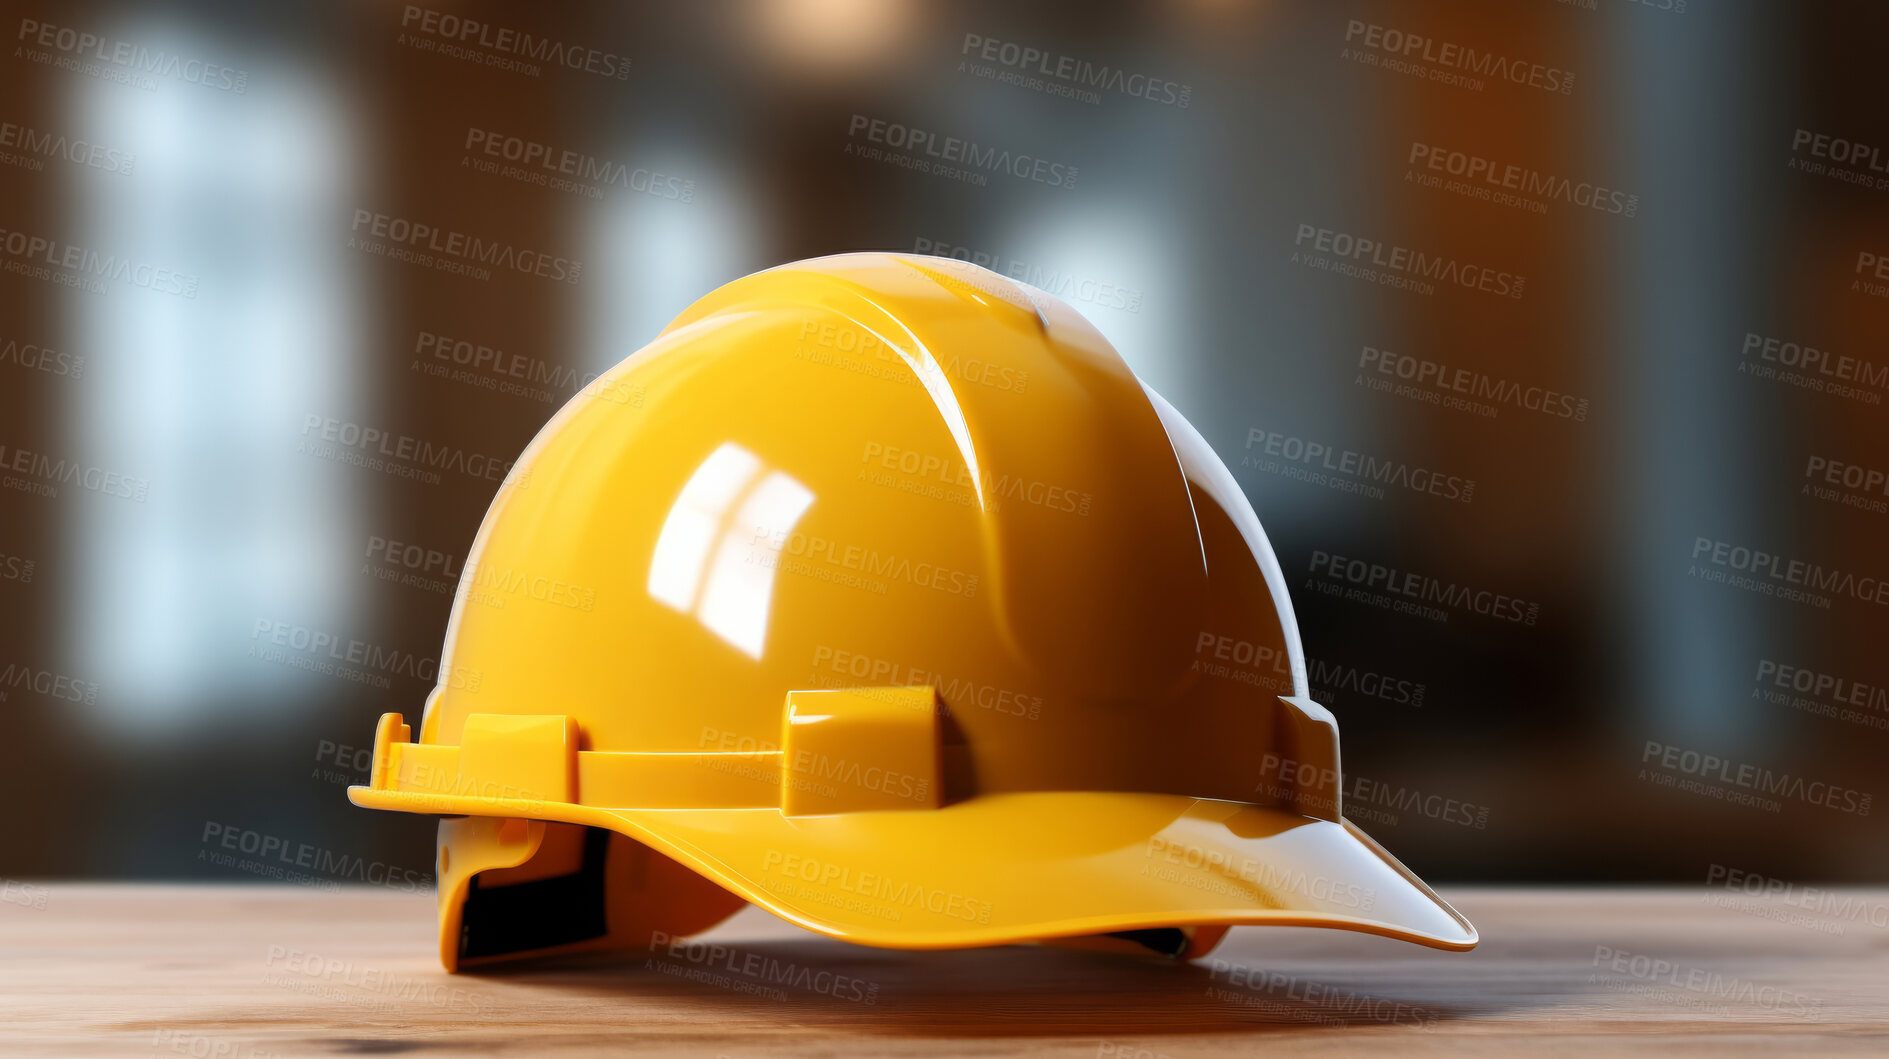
pixel 498 920
pixel 1168 941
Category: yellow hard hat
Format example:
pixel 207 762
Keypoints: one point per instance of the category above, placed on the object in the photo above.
pixel 878 591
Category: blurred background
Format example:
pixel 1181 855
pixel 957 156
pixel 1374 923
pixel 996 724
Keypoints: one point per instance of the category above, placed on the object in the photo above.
pixel 1602 282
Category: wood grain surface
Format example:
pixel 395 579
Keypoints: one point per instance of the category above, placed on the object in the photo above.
pixel 246 972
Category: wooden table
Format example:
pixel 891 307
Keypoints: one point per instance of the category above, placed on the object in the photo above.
pixel 244 971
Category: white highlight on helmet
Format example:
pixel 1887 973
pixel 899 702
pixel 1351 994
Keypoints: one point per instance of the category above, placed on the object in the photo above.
pixel 733 600
pixel 682 549
pixel 1203 467
pixel 931 376
pixel 741 584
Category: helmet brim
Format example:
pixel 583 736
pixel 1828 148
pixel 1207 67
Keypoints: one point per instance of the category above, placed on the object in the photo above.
pixel 1027 866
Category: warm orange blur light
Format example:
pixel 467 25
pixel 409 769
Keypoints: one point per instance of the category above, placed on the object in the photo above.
pixel 836 37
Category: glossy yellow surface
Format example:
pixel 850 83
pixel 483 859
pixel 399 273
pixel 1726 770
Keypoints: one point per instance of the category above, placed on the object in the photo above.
pixel 909 477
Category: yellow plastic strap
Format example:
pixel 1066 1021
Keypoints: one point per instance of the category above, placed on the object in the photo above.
pixel 859 749
pixel 842 751
pixel 525 765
